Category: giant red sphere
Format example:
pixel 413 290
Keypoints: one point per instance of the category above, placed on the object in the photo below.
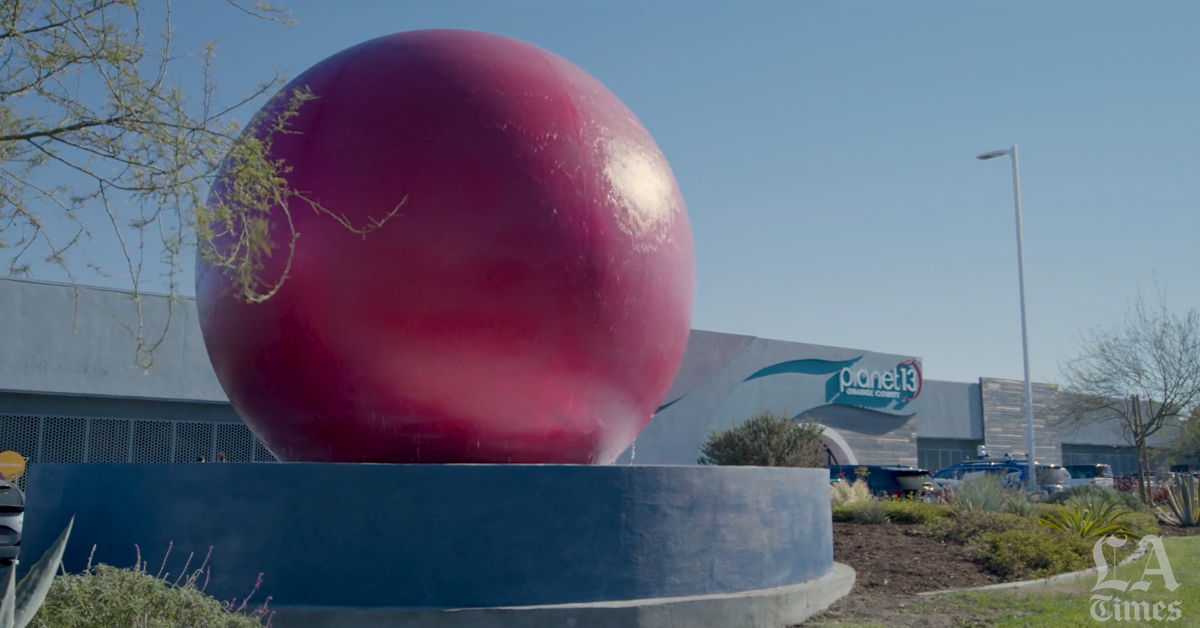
pixel 529 303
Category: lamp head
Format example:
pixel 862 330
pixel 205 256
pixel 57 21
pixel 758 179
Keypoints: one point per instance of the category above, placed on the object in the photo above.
pixel 992 155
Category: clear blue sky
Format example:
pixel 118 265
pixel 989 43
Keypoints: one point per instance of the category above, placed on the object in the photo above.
pixel 826 152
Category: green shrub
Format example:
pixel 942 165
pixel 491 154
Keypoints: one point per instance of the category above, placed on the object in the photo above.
pixel 894 511
pixel 1021 554
pixel 971 525
pixel 1141 524
pixel 871 513
pixel 849 493
pixel 766 439
pixel 107 597
pixel 846 514
pixel 909 511
pixel 1102 493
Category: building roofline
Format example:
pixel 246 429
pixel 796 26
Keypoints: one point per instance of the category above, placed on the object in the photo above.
pixel 192 298
pixel 107 397
pixel 81 286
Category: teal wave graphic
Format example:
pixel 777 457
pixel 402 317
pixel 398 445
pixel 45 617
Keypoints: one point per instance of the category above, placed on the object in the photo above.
pixel 666 405
pixel 804 367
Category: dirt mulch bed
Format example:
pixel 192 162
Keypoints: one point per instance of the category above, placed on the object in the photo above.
pixel 1166 530
pixel 888 559
pixel 891 564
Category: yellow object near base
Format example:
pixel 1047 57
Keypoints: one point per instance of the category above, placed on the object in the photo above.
pixel 12 465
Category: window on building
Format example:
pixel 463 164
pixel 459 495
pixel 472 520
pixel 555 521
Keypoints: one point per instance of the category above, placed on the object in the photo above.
pixel 938 453
pixel 1123 460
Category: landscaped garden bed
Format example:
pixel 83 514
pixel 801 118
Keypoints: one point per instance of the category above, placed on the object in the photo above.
pixel 898 559
pixel 1060 606
pixel 979 535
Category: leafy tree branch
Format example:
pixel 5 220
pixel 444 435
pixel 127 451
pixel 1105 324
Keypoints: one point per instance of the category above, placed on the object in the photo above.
pixel 102 127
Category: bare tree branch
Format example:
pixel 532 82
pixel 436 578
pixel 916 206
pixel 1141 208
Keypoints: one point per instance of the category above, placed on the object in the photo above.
pixel 1141 374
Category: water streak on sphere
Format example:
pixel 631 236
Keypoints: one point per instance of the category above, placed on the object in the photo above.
pixel 531 301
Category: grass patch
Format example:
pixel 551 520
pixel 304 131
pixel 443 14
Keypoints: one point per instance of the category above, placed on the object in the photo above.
pixel 872 513
pixel 107 597
pixel 909 511
pixel 971 525
pixel 846 514
pixel 826 623
pixel 1068 606
pixel 894 511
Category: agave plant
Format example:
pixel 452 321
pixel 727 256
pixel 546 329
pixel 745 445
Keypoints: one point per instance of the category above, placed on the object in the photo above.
pixel 1089 520
pixel 1184 501
pixel 988 494
pixel 1019 504
pixel 23 600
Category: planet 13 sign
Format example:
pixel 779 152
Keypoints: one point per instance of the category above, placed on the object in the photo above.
pixel 876 389
pixel 877 382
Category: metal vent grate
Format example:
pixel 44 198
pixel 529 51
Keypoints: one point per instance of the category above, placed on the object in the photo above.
pixel 108 441
pixel 262 454
pixel 64 440
pixel 19 433
pixel 193 440
pixel 105 440
pixel 236 441
pixel 151 441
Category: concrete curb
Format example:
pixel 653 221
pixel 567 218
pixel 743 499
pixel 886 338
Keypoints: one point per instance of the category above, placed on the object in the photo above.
pixel 1042 582
pixel 766 608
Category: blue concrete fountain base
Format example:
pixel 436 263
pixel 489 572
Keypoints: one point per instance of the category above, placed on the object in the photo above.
pixel 342 545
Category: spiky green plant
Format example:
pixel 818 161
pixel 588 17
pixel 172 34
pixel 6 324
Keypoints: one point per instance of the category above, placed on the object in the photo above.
pixel 985 493
pixel 1089 521
pixel 873 513
pixel 22 601
pixel 1184 501
pixel 1019 504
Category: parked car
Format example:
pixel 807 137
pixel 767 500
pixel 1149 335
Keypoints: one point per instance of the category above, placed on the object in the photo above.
pixel 1051 478
pixel 12 517
pixel 1085 474
pixel 969 469
pixel 890 481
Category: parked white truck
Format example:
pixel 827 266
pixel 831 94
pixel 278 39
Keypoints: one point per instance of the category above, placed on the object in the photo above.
pixel 1085 474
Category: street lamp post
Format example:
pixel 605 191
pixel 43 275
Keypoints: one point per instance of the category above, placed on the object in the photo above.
pixel 1030 458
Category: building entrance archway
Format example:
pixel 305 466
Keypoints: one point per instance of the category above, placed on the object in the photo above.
pixel 838 449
